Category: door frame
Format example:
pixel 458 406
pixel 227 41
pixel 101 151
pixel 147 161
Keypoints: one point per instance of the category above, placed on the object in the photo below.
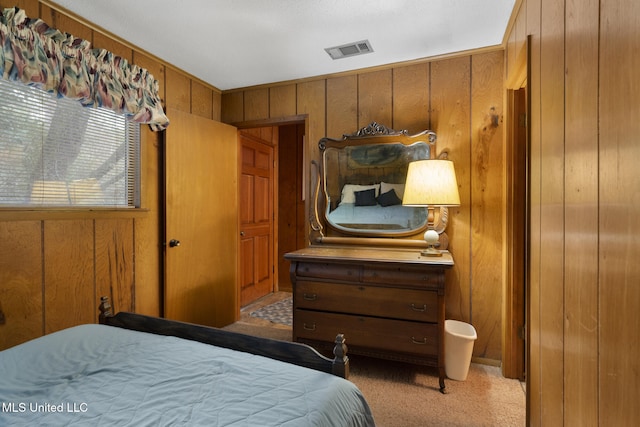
pixel 277 122
pixel 515 297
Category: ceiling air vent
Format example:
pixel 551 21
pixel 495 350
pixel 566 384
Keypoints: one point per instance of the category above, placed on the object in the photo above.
pixel 351 49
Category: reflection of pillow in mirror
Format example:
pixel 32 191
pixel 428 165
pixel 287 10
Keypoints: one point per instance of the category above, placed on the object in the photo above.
pixel 389 198
pixel 366 197
pixel 399 188
pixel 348 191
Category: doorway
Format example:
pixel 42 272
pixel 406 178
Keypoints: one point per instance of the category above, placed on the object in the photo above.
pixel 288 200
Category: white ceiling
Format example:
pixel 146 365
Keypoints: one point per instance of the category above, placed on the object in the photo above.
pixel 238 43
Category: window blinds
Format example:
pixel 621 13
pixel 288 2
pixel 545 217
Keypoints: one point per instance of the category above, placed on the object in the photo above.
pixel 56 153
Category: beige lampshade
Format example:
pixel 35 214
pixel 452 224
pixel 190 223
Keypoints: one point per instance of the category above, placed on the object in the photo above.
pixel 431 183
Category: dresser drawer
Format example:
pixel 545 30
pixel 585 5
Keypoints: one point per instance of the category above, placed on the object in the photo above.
pixel 329 271
pixel 368 332
pixel 406 304
pixel 404 276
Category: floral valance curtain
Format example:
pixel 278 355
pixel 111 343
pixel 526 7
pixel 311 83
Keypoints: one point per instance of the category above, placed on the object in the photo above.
pixel 37 55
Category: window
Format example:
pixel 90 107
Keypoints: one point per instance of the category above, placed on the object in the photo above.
pixel 56 153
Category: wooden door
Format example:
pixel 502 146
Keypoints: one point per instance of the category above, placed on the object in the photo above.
pixel 256 246
pixel 201 204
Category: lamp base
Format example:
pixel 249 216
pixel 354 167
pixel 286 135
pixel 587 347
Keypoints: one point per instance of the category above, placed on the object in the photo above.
pixel 432 238
pixel 431 251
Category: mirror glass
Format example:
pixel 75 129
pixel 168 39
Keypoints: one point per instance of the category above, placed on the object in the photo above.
pixel 364 184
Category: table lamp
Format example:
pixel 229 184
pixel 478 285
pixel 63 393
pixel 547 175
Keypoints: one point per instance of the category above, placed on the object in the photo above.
pixel 431 183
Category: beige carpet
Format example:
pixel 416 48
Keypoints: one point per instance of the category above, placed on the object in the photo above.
pixel 405 395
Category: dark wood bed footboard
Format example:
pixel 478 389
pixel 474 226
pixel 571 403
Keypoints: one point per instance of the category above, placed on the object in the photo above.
pixel 290 352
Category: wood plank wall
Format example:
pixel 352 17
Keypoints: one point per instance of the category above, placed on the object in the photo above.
pixel 55 265
pixel 585 203
pixel 461 99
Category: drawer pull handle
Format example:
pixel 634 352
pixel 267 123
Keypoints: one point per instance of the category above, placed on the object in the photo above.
pixel 309 328
pixel 421 309
pixel 415 341
pixel 309 297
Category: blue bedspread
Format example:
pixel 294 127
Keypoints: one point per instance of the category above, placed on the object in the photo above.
pixel 105 376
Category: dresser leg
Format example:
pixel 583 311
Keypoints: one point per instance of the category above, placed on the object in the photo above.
pixel 443 389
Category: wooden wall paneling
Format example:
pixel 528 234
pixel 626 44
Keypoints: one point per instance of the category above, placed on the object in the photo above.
pixel 232 107
pixel 311 98
pixel 619 227
pixel 201 100
pixel 581 214
pixel 216 110
pixel 342 106
pixel 305 194
pixel 148 250
pixel 487 201
pixel 375 98
pixel 64 23
pixel 288 196
pixel 275 138
pixel 69 274
pixel 114 259
pixel 450 113
pixel 516 43
pixel 411 98
pixel 552 199
pixel 31 7
pixel 510 53
pixel 534 304
pixel 155 68
pixel 256 104
pixel 103 41
pixel 147 237
pixel 516 53
pixel 21 282
pixel 533 11
pixel 311 101
pixel 282 101
pixel 177 90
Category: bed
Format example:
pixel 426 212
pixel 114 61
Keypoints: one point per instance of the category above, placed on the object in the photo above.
pixel 374 217
pixel 139 370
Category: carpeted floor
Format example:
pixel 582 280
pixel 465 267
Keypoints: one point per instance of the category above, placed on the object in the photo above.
pixel 406 395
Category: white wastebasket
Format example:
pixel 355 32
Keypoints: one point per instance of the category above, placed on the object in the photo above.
pixel 458 348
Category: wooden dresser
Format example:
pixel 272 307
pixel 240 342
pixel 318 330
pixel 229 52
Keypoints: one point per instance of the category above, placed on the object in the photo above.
pixel 389 303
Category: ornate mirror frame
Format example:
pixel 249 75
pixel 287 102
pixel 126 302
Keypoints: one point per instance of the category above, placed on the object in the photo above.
pixel 374 156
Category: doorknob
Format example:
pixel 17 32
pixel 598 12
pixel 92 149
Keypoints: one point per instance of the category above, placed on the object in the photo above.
pixel 173 243
pixel 242 233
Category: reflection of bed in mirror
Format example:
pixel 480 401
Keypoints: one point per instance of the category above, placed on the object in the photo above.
pixel 375 207
pixel 362 180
